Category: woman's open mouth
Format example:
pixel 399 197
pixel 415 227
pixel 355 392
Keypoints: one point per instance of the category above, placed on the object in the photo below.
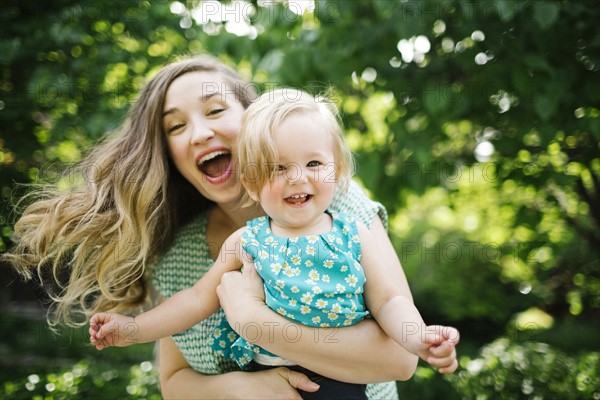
pixel 216 166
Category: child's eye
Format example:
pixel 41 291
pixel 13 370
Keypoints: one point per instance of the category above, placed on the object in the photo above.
pixel 313 163
pixel 280 167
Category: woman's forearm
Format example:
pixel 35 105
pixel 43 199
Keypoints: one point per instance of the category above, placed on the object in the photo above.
pixel 362 353
pixel 179 381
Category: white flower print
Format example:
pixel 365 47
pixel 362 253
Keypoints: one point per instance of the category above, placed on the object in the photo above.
pixel 332 316
pixel 281 311
pixel 276 268
pixel 321 303
pixel 316 320
pixel 310 250
pixel 295 289
pixel 328 263
pixel 317 290
pixel 245 359
pixel 308 263
pixel 336 308
pixel 280 283
pixel 307 298
pixel 351 280
pixel 296 259
pixel 263 254
pixel 340 288
pixel 325 278
pixel 344 268
pixel 304 310
pixel 314 275
pixel 312 239
pixel 293 303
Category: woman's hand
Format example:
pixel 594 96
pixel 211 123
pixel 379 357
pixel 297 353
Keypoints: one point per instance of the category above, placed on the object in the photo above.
pixel 178 380
pixel 277 383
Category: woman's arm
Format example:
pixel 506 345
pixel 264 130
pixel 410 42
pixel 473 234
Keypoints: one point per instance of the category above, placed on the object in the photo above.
pixel 374 356
pixel 179 381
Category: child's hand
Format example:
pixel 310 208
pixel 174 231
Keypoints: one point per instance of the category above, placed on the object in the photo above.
pixel 438 348
pixel 108 329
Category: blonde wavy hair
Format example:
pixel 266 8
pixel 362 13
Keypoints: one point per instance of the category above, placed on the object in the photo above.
pixel 256 150
pixel 103 233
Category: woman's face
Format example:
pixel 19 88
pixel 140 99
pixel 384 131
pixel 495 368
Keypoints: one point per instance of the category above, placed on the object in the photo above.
pixel 202 118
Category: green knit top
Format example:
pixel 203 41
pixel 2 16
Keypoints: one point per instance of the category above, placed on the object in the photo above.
pixel 188 260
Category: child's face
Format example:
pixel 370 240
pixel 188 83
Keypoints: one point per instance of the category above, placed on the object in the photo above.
pixel 303 185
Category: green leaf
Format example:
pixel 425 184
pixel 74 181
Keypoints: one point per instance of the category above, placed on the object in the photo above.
pixel 545 13
pixel 544 106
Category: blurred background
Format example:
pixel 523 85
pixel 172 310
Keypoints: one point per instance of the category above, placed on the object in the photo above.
pixel 476 123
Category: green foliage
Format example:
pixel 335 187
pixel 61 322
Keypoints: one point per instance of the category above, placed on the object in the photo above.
pixel 36 363
pixel 88 380
pixel 530 370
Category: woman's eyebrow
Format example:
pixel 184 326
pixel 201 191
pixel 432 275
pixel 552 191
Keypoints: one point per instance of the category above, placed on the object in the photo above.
pixel 203 99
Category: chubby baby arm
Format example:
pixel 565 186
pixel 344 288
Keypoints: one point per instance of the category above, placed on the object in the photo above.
pixel 179 312
pixel 390 303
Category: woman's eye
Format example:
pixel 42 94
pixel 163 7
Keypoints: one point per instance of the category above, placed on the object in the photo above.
pixel 313 164
pixel 216 111
pixel 173 128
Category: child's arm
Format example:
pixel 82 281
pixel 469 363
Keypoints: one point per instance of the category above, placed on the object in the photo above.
pixel 398 316
pixel 180 312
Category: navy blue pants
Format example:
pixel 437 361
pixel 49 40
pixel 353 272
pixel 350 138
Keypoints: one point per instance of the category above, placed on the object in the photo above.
pixel 329 389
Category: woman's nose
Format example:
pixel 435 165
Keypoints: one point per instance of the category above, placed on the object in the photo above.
pixel 200 132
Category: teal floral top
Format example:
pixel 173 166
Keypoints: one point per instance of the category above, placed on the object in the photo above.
pixel 315 280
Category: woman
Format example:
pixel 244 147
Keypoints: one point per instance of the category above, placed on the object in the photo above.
pixel 163 192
